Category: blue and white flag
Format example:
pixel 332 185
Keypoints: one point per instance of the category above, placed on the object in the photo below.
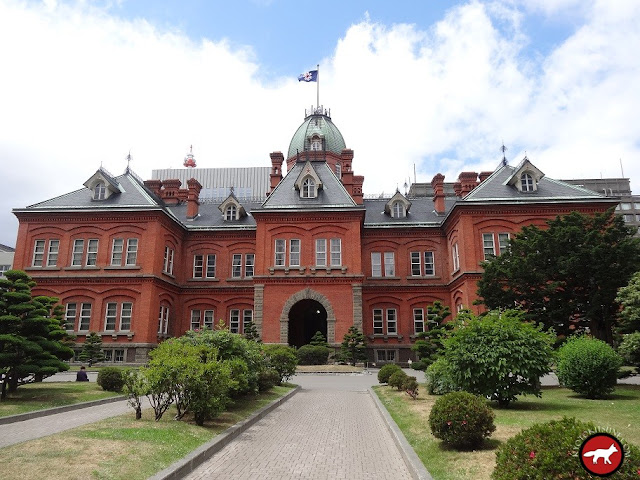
pixel 310 76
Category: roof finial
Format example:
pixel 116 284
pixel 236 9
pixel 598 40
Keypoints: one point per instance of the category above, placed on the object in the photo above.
pixel 504 158
pixel 128 161
pixel 189 160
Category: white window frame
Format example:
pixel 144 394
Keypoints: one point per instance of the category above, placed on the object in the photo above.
pixel 456 257
pixel 100 191
pixel 308 188
pixel 117 249
pixel 488 246
pixel 92 252
pixel 70 314
pixel 376 264
pixel 389 264
pixel 236 265
pixel 111 317
pixel 416 264
pixel 429 264
pixel 378 321
pixel 195 319
pixel 418 320
pixel 526 182
pixel 208 319
pixel 397 210
pixel 211 266
pixel 84 322
pixel 234 320
pixel 118 355
pixel 163 319
pixel 52 252
pixel 294 252
pixel 247 316
pixel 503 242
pixel 249 265
pixel 198 266
pixel 38 253
pixel 280 252
pixel 126 314
pixel 392 321
pixel 321 252
pixel 168 260
pixel 336 252
pixel 230 213
pixel 132 252
pixel 77 253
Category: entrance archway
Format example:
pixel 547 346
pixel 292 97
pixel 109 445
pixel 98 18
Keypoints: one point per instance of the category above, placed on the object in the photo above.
pixel 306 318
pixel 307 294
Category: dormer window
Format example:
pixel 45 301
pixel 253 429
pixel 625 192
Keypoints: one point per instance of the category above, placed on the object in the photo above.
pixel 526 183
pixel 99 191
pixel 308 188
pixel 316 143
pixel 398 210
pixel 230 213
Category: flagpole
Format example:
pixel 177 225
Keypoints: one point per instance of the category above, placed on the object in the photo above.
pixel 318 86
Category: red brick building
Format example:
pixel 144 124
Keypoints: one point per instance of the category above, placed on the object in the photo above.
pixel 138 261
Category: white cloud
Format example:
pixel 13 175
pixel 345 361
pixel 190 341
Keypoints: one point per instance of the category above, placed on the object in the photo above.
pixel 81 88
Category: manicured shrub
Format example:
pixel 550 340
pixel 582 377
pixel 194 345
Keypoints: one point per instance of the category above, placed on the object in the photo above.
pixel 386 371
pixel 111 379
pixel 499 356
pixel 312 355
pixel 438 378
pixel 410 386
pixel 629 349
pixel 135 387
pixel 282 359
pixel 461 420
pixel 267 379
pixel 549 450
pixel 397 379
pixel 588 367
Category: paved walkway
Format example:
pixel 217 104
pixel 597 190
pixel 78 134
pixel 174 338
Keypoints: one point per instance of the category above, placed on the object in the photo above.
pixel 331 429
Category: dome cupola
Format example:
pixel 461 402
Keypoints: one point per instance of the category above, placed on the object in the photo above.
pixel 317 132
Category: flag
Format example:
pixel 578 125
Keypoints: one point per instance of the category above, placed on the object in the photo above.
pixel 310 76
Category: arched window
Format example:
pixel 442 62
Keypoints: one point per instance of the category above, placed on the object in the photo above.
pixel 526 180
pixel 308 188
pixel 99 191
pixel 230 213
pixel 316 143
pixel 398 210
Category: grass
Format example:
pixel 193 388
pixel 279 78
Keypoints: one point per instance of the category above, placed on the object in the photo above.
pixel 122 447
pixel 620 412
pixel 38 396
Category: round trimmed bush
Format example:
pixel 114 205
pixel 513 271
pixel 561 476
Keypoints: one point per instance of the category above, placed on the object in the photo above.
pixel 629 349
pixel 386 371
pixel 397 379
pixel 268 378
pixel 410 386
pixel 588 366
pixel 549 450
pixel 313 355
pixel 461 420
pixel 111 379
pixel 439 379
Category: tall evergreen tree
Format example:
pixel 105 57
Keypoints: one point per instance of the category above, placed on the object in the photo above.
pixel 428 344
pixel 353 347
pixel 92 349
pixel 567 275
pixel 33 340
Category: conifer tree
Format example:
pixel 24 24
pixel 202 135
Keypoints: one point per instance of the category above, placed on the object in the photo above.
pixel 352 349
pixel 92 349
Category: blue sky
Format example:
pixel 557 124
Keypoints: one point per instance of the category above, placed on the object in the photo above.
pixel 431 85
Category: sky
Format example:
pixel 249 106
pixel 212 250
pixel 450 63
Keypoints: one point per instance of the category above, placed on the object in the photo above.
pixel 430 86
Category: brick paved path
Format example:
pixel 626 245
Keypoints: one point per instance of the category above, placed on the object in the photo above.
pixel 320 433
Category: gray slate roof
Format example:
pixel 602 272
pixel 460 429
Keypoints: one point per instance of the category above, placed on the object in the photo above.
pixel 332 194
pixel 420 214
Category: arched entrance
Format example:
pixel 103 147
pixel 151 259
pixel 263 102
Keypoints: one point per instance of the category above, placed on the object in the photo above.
pixel 299 297
pixel 306 317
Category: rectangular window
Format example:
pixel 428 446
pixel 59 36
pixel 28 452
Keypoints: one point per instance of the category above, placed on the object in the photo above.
pixel 503 242
pixel 208 319
pixel 249 260
pixel 110 318
pixel 456 257
pixel 52 255
pixel 78 249
pixel 118 356
pixel 625 206
pixel 132 251
pixel 376 264
pixel 70 316
pixel 429 264
pixel 92 252
pixel 415 264
pixel 168 260
pixel 236 265
pixel 38 253
pixel 392 321
pixel 418 320
pixel 234 321
pixel 247 317
pixel 116 252
pixel 198 266
pixel 386 355
pixel 108 355
pixel 281 245
pixel 85 317
pixel 488 246
pixel 161 319
pixel 195 319
pixel 125 316
pixel 389 264
pixel 321 252
pixel 628 217
pixel 294 253
pixel 336 252
pixel 211 266
pixel 377 321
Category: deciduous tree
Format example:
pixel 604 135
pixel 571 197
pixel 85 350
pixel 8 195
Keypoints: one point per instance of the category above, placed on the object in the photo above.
pixel 629 298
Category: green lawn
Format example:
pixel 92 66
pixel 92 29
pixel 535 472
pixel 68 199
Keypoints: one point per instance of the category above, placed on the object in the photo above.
pixel 621 412
pixel 122 447
pixel 38 396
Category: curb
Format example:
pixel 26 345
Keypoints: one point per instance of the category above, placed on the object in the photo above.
pixel 415 466
pixel 189 463
pixel 52 411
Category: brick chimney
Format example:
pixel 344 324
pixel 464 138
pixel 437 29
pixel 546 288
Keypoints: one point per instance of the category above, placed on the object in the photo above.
pixel 277 158
pixel 457 188
pixel 154 186
pixel 438 193
pixel 357 194
pixel 484 175
pixel 170 193
pixel 468 181
pixel 192 198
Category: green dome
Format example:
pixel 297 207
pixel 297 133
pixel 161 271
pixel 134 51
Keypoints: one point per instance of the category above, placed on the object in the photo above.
pixel 323 126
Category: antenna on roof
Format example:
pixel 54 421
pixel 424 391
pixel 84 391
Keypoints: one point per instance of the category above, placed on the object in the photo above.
pixel 504 158
pixel 128 160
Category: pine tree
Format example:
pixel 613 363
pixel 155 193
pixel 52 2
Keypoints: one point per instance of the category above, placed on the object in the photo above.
pixel 33 340
pixel 318 340
pixel 353 346
pixel 251 332
pixel 92 349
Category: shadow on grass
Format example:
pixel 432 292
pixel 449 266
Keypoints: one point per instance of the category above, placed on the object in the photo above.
pixel 487 445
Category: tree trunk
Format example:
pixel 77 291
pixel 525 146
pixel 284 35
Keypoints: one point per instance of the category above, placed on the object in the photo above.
pixel 138 412
pixel 4 388
pixel 13 383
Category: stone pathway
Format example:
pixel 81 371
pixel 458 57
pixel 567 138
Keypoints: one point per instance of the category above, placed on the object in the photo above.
pixel 320 433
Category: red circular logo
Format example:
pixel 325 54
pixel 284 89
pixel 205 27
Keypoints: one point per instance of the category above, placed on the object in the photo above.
pixel 601 454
